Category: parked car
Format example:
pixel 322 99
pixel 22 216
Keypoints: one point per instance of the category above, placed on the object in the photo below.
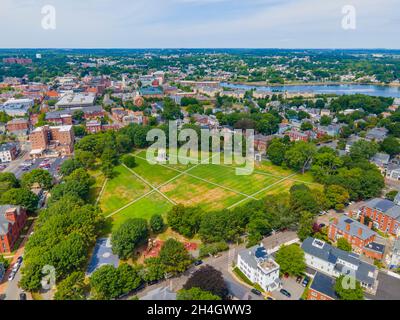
pixel 269 298
pixel 198 262
pixel 19 259
pixel 11 276
pixel 257 292
pixel 305 281
pixel 22 296
pixel 285 293
pixel 298 279
pixel 16 267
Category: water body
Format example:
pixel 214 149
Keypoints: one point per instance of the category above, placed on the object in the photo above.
pixel 367 89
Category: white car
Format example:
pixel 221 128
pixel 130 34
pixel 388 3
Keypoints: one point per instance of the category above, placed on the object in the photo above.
pixel 11 276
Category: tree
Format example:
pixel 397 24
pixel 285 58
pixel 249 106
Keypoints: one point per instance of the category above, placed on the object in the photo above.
pixel 71 288
pixel 129 161
pixel 343 244
pixel 348 288
pixel 109 282
pixel 291 260
pixel 306 225
pixel 299 156
pixel 69 166
pixel 7 181
pixel 390 145
pixel 363 149
pixel 302 199
pixel 21 197
pixel 128 236
pixel 196 294
pixel 40 177
pixel 208 279
pixel 107 168
pixel 276 152
pixel 305 126
pixel 174 257
pixel 391 195
pixel 325 121
pixel 336 197
pixel 157 223
pixel 185 220
pixel 85 158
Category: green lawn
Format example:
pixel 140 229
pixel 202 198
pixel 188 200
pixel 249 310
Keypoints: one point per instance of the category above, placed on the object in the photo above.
pixel 153 203
pixel 121 190
pixel 210 186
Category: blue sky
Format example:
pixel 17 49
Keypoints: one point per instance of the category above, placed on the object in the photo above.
pixel 200 23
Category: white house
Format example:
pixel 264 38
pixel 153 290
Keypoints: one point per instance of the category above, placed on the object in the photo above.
pixel 259 267
pixel 334 262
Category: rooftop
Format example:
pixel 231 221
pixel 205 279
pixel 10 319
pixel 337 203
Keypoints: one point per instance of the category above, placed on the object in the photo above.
pixel 324 284
pixel 386 206
pixel 355 228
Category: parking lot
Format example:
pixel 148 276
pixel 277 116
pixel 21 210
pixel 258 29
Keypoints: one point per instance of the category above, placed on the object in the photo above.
pixel 290 285
pixel 53 165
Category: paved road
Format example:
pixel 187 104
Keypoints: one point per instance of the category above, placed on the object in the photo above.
pixel 388 288
pixel 17 170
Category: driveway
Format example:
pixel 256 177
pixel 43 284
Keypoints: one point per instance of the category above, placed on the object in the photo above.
pixel 294 288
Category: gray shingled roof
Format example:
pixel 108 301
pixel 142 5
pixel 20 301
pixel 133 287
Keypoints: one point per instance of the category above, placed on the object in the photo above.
pixel 355 226
pixel 332 254
pixel 386 206
pixel 324 284
pixel 250 255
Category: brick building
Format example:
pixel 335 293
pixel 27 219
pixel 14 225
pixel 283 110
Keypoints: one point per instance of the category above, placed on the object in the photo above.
pixel 385 215
pixel 58 140
pixel 356 233
pixel 18 126
pixel 12 221
pixel 322 288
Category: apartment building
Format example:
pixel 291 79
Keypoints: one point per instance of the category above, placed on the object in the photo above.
pixel 385 215
pixel 57 140
pixel 356 233
pixel 12 221
pixel 334 262
pixel 259 267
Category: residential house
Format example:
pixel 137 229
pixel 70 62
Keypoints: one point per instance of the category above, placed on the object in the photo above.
pixel 356 233
pixel 381 160
pixel 374 251
pixel 259 267
pixel 385 215
pixel 322 288
pixel 8 152
pixel 334 262
pixel 377 134
pixel 393 171
pixel 12 221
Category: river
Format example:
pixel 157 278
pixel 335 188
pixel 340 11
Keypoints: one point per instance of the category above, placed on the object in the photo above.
pixel 367 89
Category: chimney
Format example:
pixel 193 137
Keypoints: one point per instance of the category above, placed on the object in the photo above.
pixel 360 232
pixel 11 214
pixel 362 219
pixel 348 227
pixel 370 225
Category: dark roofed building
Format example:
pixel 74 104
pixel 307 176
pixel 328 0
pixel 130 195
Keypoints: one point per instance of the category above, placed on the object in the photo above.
pixel 322 288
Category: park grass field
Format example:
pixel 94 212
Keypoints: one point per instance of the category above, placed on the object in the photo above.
pixel 148 188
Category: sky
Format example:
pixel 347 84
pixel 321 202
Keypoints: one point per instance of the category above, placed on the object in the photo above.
pixel 200 24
